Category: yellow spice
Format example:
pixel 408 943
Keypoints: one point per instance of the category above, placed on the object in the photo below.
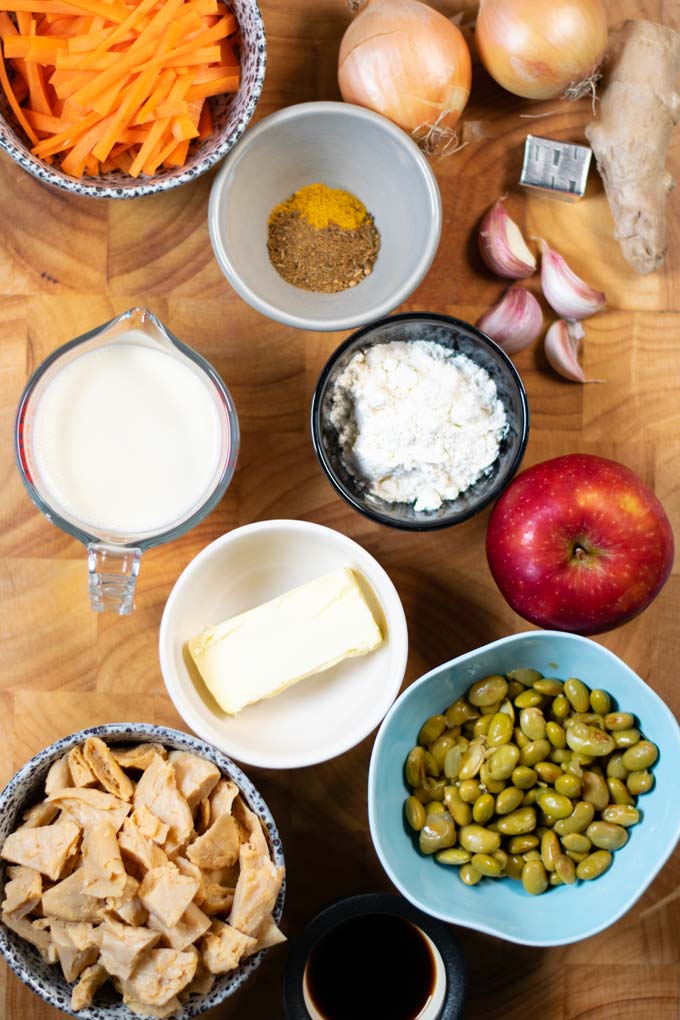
pixel 322 206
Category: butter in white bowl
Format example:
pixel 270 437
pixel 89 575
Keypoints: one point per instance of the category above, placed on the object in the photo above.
pixel 259 653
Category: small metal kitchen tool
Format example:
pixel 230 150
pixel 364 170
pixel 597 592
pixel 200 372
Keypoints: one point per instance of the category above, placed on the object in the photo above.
pixel 557 169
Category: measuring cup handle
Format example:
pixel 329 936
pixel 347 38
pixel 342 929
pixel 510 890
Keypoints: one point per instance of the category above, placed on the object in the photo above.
pixel 113 573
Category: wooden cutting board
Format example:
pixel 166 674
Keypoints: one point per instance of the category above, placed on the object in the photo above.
pixel 69 264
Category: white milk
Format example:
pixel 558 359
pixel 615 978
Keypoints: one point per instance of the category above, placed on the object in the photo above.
pixel 127 440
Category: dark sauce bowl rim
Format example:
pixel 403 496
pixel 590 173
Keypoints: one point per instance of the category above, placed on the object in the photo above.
pixel 350 908
pixel 316 424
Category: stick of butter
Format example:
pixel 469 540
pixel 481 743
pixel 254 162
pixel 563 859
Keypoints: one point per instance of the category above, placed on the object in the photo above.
pixel 306 631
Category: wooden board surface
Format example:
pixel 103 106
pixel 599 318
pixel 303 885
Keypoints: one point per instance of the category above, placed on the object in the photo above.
pixel 68 264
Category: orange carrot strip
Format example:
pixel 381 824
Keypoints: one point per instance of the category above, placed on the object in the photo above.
pixel 36 88
pixel 112 12
pixel 194 45
pixel 205 123
pixel 127 109
pixel 174 109
pixel 229 54
pixel 160 93
pixel 115 75
pixel 92 166
pixel 66 83
pixel 206 55
pixel 66 138
pixel 75 62
pixel 178 156
pixel 214 88
pixel 45 122
pixel 183 128
pixel 204 6
pixel 12 100
pixel 74 163
pixel 155 133
pixel 7 27
pixel 212 73
pixel 38 48
pixel 132 19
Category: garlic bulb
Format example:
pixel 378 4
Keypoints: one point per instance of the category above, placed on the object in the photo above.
pixel 564 291
pixel 562 347
pixel 515 321
pixel 502 246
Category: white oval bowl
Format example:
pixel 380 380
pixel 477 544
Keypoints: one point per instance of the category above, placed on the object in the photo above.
pixel 318 718
pixel 343 146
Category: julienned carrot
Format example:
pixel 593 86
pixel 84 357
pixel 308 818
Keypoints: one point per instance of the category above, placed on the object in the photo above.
pixel 115 85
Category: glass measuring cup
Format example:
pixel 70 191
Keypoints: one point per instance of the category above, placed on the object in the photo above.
pixel 114 556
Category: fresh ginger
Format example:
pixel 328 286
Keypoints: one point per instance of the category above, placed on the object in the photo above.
pixel 630 137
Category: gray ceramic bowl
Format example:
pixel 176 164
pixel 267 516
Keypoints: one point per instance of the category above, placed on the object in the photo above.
pixel 25 788
pixel 342 146
pixel 231 115
pixel 462 338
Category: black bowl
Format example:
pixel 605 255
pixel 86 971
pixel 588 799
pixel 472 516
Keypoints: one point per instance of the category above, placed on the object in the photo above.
pixel 462 338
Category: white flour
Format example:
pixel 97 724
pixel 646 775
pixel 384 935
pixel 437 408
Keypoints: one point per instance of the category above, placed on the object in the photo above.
pixel 417 422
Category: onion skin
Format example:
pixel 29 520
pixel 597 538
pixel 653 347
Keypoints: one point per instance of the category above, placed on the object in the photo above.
pixel 537 49
pixel 406 61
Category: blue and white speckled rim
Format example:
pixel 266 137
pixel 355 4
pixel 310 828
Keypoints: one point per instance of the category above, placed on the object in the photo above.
pixel 47 979
pixel 231 116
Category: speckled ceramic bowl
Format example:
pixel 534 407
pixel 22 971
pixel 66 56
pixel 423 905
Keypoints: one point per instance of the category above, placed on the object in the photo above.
pixel 231 116
pixel 26 788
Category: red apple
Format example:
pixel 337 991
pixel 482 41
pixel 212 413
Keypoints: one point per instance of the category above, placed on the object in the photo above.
pixel 579 543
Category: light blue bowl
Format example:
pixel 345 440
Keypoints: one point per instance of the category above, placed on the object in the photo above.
pixel 563 914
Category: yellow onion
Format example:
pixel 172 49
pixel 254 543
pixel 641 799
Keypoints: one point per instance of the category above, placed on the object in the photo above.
pixel 406 61
pixel 542 49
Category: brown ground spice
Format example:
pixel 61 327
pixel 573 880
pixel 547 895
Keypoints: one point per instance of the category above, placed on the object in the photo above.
pixel 329 259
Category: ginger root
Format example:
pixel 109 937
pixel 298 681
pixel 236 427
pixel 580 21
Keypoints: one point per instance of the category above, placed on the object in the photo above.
pixel 640 105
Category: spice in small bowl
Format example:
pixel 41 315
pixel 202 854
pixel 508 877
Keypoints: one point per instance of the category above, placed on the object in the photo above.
pixel 322 239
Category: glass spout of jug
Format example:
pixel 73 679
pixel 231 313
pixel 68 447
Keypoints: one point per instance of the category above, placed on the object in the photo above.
pixel 125 438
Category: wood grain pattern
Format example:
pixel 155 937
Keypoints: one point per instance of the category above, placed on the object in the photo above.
pixel 68 264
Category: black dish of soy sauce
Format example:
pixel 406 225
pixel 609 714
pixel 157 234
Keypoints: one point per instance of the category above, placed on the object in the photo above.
pixel 352 954
pixel 373 965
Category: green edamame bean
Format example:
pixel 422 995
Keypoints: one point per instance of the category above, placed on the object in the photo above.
pixel 565 869
pixel 532 723
pixel 576 841
pixel 640 782
pixel 458 809
pixel 455 856
pixel 415 813
pixel 594 790
pixel 606 835
pixel 534 878
pixel 452 762
pixel 619 721
pixel 593 865
pixel 568 785
pixel 500 730
pixel 626 738
pixel 415 766
pixel 478 840
pixel 641 756
pixel 481 726
pixel 600 701
pixel 492 785
pixel 619 792
pixel 520 739
pixel 431 729
pixel 491 709
pixel 528 699
pixel 459 712
pixel 556 735
pixel 548 771
pixel 431 789
pixel 514 867
pixel 486 865
pixel 518 822
pixel 530 796
pixel 550 850
pixel 503 761
pixel 554 879
pixel 470 790
pixel 537 750
pixel 621 814
pixel 514 688
pixel 488 691
pixel 616 768
pixel 438 833
pixel 440 748
pixel 548 686
pixel 578 821
pixel 523 777
pixel 508 800
pixel 435 807
pixel 560 707
pixel 472 761
pixel 483 808
pixel 555 804
pixel 589 740
pixel 469 874
pixel 575 856
pixel 525 677
pixel 577 694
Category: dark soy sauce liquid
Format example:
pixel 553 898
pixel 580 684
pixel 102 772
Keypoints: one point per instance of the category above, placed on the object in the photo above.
pixel 374 967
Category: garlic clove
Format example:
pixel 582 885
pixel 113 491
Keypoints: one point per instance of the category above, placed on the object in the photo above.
pixel 564 291
pixel 515 321
pixel 502 246
pixel 562 347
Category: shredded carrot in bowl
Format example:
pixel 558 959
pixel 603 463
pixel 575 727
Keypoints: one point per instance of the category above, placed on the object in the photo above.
pixel 102 85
